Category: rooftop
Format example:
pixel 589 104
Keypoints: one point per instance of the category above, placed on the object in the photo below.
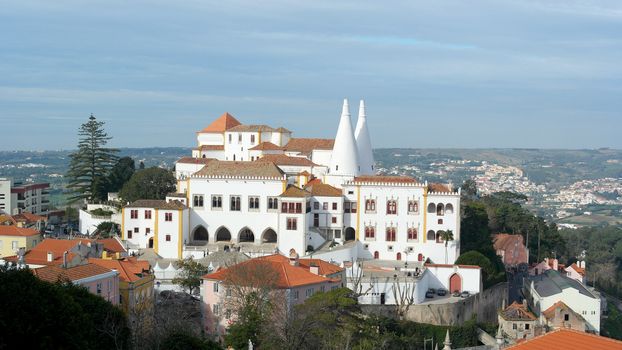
pixel 225 122
pixel 282 159
pixel 240 169
pixel 129 269
pixel 517 312
pixel 53 273
pixel 323 190
pixel 307 145
pixel 256 128
pixel 385 179
pixel 266 146
pixel 192 160
pixel 157 204
pixel 551 282
pixel 295 192
pixel 564 339
pixel 10 230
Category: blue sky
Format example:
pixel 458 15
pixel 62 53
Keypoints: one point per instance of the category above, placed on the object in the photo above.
pixel 477 73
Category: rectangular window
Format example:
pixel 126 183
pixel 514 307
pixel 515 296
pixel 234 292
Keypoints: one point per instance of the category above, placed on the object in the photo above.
pixel 253 203
pixel 168 216
pixel 353 206
pixel 14 245
pixel 215 287
pixel 514 326
pixel 296 294
pixel 334 219
pixel 334 205
pixel 99 288
pixel 316 205
pixel 390 234
pixel 566 317
pixel 253 139
pixel 168 238
pixel 239 138
pixel 147 214
pixel 527 326
pixel 235 203
pixel 273 203
pixel 197 200
pixel 216 201
pixel 292 224
pixel 298 208
pixel 129 234
pixel 136 230
pixel 134 214
pixel 230 140
pixel 148 230
pixel 413 207
pixel 391 207
pixel 325 206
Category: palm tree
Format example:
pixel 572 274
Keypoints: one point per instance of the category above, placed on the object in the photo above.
pixel 446 236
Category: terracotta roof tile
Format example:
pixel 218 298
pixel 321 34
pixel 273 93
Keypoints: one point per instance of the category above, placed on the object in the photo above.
pixel 295 192
pixel 517 312
pixel 10 230
pixel 282 159
pixel 307 145
pixel 4 218
pixel 192 160
pixel 29 218
pixel 157 204
pixel 323 190
pixel 130 270
pixel 252 128
pixel 112 245
pixel 564 339
pixel 580 271
pixel 54 273
pixel 245 169
pixel 436 187
pixel 223 123
pixel 211 148
pixel 266 146
pixel 288 275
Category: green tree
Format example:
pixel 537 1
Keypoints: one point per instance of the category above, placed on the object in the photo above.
pixel 180 340
pixel 446 236
pixel 121 173
pixel 189 275
pixel 491 273
pixel 108 229
pixel 64 316
pixel 151 183
pixel 91 162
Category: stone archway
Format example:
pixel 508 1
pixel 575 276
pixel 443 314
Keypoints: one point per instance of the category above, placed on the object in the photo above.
pixel 269 236
pixel 223 235
pixel 246 235
pixel 350 234
pixel 200 234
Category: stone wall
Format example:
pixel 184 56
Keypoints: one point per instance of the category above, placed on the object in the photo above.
pixel 484 304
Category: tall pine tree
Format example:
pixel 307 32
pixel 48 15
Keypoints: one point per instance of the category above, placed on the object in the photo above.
pixel 91 163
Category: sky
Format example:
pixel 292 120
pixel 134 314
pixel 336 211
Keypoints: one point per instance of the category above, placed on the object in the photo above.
pixel 434 74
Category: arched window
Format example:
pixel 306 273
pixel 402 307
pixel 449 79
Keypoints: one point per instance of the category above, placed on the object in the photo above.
pixel 376 255
pixel 412 233
pixel 391 207
pixel 440 209
pixel 431 208
pixel 390 234
pixel 399 256
pixel 370 232
pixel 439 237
pixel 431 236
pixel 449 209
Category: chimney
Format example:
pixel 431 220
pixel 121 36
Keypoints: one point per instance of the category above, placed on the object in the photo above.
pixel 65 259
pixel 555 264
pixel 582 264
pixel 50 257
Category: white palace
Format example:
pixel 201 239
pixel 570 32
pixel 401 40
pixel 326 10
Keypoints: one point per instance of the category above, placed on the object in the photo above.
pixel 258 189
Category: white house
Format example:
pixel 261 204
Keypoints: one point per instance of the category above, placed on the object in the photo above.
pixel 546 289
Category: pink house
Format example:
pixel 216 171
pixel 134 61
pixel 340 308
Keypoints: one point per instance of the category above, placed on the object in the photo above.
pixel 97 279
pixel 576 271
pixel 295 280
pixel 511 249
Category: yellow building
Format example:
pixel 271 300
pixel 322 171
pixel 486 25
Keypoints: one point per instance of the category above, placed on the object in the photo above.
pixel 12 238
pixel 135 284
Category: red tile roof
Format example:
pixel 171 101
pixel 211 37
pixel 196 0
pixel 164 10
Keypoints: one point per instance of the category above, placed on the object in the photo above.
pixel 266 146
pixel 211 148
pixel 288 276
pixel 28 218
pixel 240 169
pixel 564 339
pixel 282 159
pixel 295 192
pixel 436 187
pixel 580 271
pixel 192 160
pixel 112 245
pixel 515 251
pixel 129 269
pixel 10 230
pixel 307 145
pixel 223 123
pixel 55 274
pixel 517 312
pixel 323 190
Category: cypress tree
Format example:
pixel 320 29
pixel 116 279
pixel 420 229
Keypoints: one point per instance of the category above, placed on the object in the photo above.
pixel 91 163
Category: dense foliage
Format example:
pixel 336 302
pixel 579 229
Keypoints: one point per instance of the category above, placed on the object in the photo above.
pixel 91 163
pixel 179 340
pixel 334 320
pixel 150 183
pixel 189 275
pixel 120 173
pixel 40 315
pixel 492 273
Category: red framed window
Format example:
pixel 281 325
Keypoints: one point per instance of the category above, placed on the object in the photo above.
pixel 334 205
pixel 292 224
pixel 168 216
pixel 391 207
pixel 412 233
pixel 147 214
pixel 168 238
pixel 334 219
pixel 134 214
pixel 390 234
pixel 370 232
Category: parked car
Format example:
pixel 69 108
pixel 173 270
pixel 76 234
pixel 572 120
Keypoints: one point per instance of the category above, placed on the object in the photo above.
pixel 464 294
pixel 429 294
pixel 432 290
pixel 456 293
pixel 441 292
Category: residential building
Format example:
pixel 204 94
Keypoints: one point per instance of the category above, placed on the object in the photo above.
pixel 511 249
pixel 292 279
pixel 517 322
pixel 13 238
pixel 559 315
pixel 545 265
pixel 98 280
pixel 546 289
pixel 136 284
pixel 17 197
pixel 564 339
pixel 576 271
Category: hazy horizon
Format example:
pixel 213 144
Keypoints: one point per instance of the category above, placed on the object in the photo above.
pixel 478 74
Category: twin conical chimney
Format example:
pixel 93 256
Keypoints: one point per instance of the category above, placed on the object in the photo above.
pixel 344 160
pixel 363 143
